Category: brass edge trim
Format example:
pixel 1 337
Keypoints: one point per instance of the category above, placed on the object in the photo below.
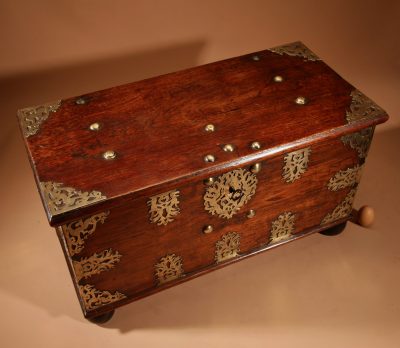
pixel 295 49
pixel 60 199
pixel 93 298
pixel 282 227
pixel 31 118
pixel 359 141
pixel 345 178
pixel 227 247
pixel 95 264
pixel 76 232
pixel 362 107
pixel 342 210
pixel 168 268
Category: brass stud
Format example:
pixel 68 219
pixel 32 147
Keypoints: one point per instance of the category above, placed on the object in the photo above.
pixel 209 158
pixel 255 145
pixel 301 101
pixel 251 213
pixel 209 181
pixel 255 58
pixel 209 128
pixel 278 78
pixel 80 101
pixel 228 148
pixel 95 127
pixel 255 168
pixel 207 229
pixel 109 155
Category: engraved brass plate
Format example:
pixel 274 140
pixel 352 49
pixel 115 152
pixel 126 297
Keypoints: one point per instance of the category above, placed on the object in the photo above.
pixel 170 267
pixel 362 107
pixel 342 210
pixel 76 232
pixel 359 141
pixel 31 118
pixel 230 192
pixel 93 298
pixel 164 207
pixel 295 164
pixel 345 178
pixel 60 199
pixel 282 228
pixel 296 49
pixel 227 247
pixel 95 264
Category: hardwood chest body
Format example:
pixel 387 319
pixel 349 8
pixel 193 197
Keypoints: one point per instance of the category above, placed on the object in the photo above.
pixel 156 182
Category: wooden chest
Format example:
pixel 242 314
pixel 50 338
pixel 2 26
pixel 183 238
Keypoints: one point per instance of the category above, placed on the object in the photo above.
pixel 159 181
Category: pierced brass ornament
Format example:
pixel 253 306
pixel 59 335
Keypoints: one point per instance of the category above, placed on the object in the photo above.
pixel 93 298
pixel 169 268
pixel 296 164
pixel 164 207
pixel 32 118
pixel 362 108
pixel 296 49
pixel 227 247
pixel 95 264
pixel 229 193
pixel 282 227
pixel 60 199
pixel 76 232
pixel 359 141
pixel 345 178
pixel 342 210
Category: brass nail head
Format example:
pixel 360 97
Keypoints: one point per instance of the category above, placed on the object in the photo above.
pixel 228 148
pixel 255 58
pixel 80 101
pixel 209 128
pixel 207 229
pixel 255 145
pixel 209 181
pixel 301 101
pixel 209 158
pixel 278 78
pixel 95 126
pixel 251 213
pixel 109 155
pixel 255 168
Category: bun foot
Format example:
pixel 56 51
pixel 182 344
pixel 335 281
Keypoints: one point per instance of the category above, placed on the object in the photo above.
pixel 335 230
pixel 365 216
pixel 103 318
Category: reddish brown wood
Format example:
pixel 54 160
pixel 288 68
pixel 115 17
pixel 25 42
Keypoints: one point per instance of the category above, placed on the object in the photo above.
pixel 156 126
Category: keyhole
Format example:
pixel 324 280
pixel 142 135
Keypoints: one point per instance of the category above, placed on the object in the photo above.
pixel 235 194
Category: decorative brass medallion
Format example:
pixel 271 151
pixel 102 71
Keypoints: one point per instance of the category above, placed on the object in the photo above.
pixel 296 49
pixel 164 207
pixel 362 107
pixel 76 232
pixel 296 163
pixel 93 298
pixel 168 268
pixel 31 118
pixel 359 141
pixel 60 199
pixel 342 210
pixel 227 247
pixel 230 192
pixel 282 228
pixel 345 178
pixel 95 264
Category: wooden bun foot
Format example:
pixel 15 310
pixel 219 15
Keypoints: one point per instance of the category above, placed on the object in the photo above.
pixel 335 230
pixel 103 318
pixel 365 216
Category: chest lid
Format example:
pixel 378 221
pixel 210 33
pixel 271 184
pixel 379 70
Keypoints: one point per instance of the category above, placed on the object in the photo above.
pixel 101 149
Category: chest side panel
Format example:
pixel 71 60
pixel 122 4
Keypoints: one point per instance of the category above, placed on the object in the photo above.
pixel 154 242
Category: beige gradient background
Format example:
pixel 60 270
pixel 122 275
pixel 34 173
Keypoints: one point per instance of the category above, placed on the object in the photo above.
pixel 318 292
